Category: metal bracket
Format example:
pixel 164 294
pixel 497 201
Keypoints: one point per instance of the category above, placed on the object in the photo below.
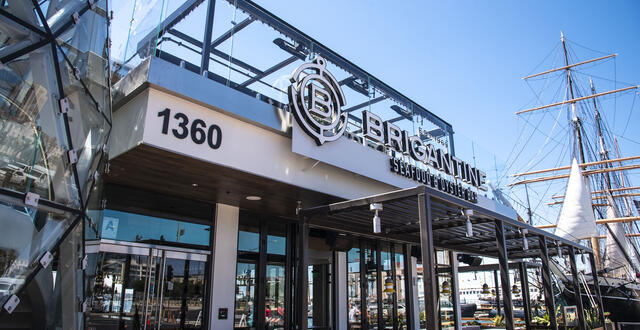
pixel 107 168
pixel 31 199
pixel 46 259
pixel 11 303
pixel 92 4
pixel 83 265
pixel 103 203
pixel 95 176
pixel 76 73
pixel 99 107
pixel 64 105
pixel 75 17
pixel 73 157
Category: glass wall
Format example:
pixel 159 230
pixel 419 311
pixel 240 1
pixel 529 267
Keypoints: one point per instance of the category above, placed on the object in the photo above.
pixel 55 117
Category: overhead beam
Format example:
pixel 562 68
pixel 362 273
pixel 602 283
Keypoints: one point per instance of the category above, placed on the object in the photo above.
pixel 365 103
pixel 174 18
pixel 576 99
pixel 270 71
pixel 569 66
pixel 232 31
pixel 599 222
pixel 583 165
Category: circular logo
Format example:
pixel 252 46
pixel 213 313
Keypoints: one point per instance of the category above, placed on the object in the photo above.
pixel 317 99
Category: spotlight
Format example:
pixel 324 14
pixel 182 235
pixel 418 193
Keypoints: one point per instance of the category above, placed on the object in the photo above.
pixel 468 213
pixel 376 218
pixel 525 242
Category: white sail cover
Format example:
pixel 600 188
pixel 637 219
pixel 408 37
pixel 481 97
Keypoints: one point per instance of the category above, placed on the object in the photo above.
pixel 576 220
pixel 614 258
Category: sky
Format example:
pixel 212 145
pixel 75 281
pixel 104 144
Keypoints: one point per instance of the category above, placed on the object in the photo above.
pixel 462 60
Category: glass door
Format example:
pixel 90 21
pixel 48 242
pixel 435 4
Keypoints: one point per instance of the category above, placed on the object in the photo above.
pixel 262 279
pixel 147 287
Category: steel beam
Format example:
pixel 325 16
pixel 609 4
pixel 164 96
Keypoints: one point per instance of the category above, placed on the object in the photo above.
pixel 428 263
pixel 547 286
pixel 503 259
pixel 496 284
pixel 365 103
pixel 303 280
pixel 174 18
pixel 526 300
pixel 231 32
pixel 269 71
pixel 455 291
pixel 576 288
pixel 596 287
pixel 206 41
pixel 408 284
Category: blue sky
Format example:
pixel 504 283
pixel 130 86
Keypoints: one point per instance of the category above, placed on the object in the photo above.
pixel 463 60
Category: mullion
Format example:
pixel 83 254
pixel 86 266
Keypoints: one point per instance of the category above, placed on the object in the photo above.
pixel 395 291
pixel 259 315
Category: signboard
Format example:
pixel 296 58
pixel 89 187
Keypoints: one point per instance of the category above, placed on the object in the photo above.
pixel 316 100
pixel 110 227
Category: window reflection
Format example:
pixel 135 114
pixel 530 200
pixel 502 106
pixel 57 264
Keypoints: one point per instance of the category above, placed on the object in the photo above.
pixel 133 227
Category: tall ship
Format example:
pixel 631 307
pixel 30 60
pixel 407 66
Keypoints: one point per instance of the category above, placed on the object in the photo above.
pixel 578 182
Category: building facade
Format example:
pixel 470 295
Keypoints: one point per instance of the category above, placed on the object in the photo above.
pixel 196 204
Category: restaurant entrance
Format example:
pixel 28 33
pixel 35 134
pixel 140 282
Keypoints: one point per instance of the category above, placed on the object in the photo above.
pixel 147 286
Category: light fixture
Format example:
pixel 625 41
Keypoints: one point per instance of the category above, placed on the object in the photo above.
pixel 468 213
pixel 485 289
pixel 195 185
pixel 253 198
pixel 525 242
pixel 388 285
pixel 515 289
pixel 377 228
pixel 446 287
pixel 559 249
pixel 493 292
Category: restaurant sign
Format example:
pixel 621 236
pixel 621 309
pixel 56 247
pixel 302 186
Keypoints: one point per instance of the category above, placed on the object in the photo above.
pixel 316 100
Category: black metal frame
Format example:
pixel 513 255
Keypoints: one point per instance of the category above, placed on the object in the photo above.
pixel 304 45
pixel 421 202
pixel 526 299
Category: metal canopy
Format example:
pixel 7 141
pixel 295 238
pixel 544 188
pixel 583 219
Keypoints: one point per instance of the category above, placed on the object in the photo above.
pixel 400 222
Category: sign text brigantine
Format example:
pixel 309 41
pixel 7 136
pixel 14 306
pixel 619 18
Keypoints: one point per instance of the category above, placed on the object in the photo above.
pixel 316 99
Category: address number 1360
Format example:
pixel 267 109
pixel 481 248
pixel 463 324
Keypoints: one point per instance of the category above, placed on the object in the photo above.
pixel 197 130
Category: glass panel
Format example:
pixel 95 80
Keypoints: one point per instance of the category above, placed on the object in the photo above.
pixel 249 239
pixel 23 10
pixel 400 288
pixel 274 299
pixel 245 295
pixel 421 307
pixel 371 267
pixel 118 273
pixel 27 234
pixel 184 292
pixel 50 300
pixel 33 155
pixel 354 288
pixel 387 297
pixel 133 227
pixel 277 239
pixel 86 50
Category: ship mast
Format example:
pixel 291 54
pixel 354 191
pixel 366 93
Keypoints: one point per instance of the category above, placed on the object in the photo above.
pixel 595 243
pixel 604 156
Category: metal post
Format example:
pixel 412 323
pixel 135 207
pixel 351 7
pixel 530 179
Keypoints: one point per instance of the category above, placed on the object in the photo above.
pixel 455 291
pixel 503 260
pixel 303 285
pixel 408 284
pixel 379 294
pixel 206 42
pixel 526 300
pixel 428 263
pixel 596 287
pixel 546 283
pixel 576 287
pixel 497 285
